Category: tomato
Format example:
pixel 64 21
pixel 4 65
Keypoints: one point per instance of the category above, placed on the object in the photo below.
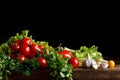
pixel 21 58
pixel 34 48
pixel 26 41
pixel 25 50
pixel 74 62
pixel 65 53
pixel 31 55
pixel 42 62
pixel 15 45
pixel 40 47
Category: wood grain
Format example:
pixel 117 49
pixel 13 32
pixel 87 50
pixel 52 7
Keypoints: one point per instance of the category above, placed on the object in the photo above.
pixel 78 74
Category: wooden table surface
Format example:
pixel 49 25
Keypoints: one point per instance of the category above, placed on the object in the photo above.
pixel 99 74
pixel 78 74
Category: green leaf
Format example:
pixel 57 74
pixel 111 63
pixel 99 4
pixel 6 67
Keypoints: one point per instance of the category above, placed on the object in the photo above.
pixel 59 66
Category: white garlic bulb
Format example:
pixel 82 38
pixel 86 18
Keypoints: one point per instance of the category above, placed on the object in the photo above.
pixel 90 63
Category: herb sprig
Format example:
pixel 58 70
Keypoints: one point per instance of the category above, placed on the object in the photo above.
pixel 60 69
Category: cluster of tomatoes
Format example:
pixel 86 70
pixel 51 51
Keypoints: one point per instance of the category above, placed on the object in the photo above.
pixel 25 48
pixel 72 60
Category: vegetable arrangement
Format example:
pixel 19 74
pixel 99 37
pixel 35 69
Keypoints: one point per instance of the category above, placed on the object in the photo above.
pixel 23 54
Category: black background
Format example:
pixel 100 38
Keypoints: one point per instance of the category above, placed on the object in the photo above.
pixel 71 26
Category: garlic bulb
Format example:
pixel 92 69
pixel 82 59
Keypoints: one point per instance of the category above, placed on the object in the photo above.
pixel 104 64
pixel 90 63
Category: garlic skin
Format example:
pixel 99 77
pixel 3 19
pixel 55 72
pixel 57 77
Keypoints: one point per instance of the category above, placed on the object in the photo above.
pixel 86 63
pixel 104 65
pixel 93 62
pixel 95 66
pixel 89 63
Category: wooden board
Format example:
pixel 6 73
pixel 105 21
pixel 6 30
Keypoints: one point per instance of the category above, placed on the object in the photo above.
pixel 99 74
pixel 78 74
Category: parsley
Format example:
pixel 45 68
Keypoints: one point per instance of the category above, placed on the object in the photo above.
pixel 60 69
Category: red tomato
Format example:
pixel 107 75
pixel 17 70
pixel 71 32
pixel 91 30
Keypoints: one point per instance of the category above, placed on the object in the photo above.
pixel 74 62
pixel 15 45
pixel 40 47
pixel 26 41
pixel 34 48
pixel 25 50
pixel 42 62
pixel 22 58
pixel 31 55
pixel 65 53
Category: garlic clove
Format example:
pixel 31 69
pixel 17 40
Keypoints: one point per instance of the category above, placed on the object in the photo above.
pixel 104 65
pixel 94 66
pixel 93 62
